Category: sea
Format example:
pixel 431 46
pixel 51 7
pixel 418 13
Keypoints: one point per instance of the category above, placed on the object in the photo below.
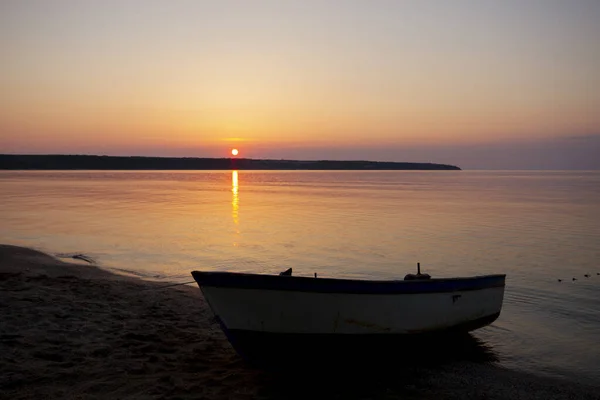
pixel 540 228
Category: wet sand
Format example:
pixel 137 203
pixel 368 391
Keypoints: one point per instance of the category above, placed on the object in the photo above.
pixel 76 331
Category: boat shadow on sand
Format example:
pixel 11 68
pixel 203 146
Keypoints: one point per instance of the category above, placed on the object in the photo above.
pixel 425 350
pixel 395 365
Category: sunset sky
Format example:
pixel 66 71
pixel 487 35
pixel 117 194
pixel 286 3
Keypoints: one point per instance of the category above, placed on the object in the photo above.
pixel 479 84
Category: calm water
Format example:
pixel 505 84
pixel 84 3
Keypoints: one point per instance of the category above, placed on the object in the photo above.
pixel 534 226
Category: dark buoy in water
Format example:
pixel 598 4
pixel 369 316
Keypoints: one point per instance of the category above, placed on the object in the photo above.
pixel 574 279
pixel 560 280
pixel 587 275
pixel 419 275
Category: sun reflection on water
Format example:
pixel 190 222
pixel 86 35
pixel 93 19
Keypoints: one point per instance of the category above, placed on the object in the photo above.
pixel 235 200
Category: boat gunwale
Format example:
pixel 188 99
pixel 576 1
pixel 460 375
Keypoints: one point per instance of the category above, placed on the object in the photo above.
pixel 239 280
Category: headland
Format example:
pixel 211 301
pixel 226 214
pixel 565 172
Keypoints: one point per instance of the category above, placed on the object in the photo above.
pixel 93 162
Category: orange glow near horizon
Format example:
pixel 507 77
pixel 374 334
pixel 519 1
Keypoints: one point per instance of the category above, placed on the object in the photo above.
pixel 93 82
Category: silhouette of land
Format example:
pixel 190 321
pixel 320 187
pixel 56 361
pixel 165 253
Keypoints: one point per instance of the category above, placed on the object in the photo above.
pixel 88 162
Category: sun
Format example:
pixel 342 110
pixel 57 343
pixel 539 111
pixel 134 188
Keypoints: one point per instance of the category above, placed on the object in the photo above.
pixel 234 152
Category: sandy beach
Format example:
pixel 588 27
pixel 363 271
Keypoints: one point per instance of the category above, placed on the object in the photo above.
pixel 72 330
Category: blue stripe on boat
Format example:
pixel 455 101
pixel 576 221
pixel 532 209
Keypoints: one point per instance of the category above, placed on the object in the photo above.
pixel 328 285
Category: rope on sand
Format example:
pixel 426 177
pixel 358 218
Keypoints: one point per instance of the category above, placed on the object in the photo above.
pixel 171 285
pixel 78 256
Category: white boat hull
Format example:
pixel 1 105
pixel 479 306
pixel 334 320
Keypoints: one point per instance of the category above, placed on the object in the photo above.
pixel 331 313
pixel 254 310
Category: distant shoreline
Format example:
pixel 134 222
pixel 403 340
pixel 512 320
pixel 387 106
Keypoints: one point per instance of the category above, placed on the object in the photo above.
pixel 92 162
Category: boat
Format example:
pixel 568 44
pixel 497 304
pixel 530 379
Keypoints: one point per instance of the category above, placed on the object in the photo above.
pixel 260 312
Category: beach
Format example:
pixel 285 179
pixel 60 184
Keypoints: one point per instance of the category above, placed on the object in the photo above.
pixel 72 330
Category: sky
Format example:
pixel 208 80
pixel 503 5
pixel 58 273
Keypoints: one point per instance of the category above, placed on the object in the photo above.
pixel 511 84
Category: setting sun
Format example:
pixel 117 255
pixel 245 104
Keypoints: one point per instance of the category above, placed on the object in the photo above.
pixel 234 152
